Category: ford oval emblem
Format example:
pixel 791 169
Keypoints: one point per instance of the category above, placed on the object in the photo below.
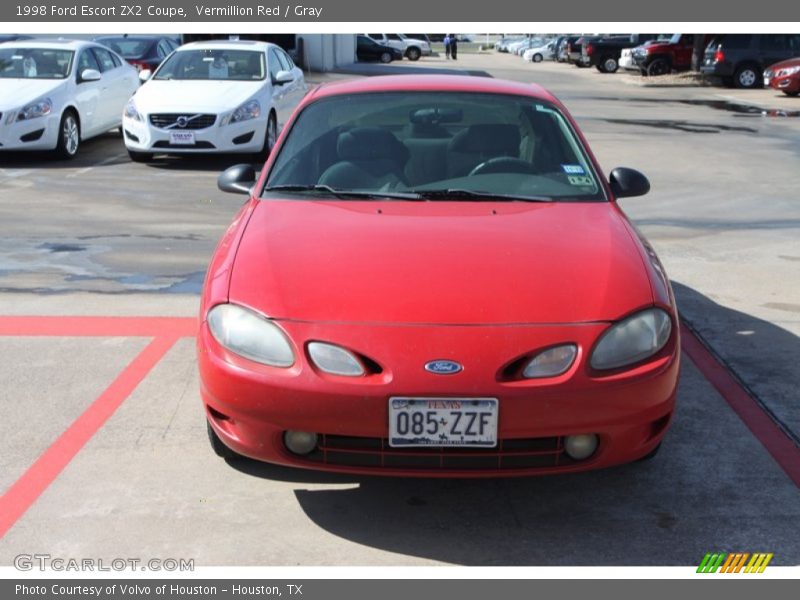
pixel 443 367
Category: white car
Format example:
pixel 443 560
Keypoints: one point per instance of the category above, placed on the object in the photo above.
pixel 540 53
pixel 412 48
pixel 214 96
pixel 55 94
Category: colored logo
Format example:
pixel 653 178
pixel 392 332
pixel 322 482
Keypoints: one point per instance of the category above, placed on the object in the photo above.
pixel 443 367
pixel 735 562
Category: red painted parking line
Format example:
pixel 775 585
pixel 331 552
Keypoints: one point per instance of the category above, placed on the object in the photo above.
pixel 24 492
pixel 761 425
pixel 98 326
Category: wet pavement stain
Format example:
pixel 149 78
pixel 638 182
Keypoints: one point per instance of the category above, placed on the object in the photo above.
pixel 52 247
pixel 723 105
pixel 681 125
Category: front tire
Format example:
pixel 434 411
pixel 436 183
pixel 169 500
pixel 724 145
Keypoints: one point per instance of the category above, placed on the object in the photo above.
pixel 537 58
pixel 658 66
pixel 69 135
pixel 385 57
pixel 413 54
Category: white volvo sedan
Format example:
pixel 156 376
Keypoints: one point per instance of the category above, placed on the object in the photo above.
pixel 55 94
pixel 214 96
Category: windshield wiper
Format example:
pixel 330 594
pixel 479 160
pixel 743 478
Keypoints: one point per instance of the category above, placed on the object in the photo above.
pixel 461 194
pixel 343 193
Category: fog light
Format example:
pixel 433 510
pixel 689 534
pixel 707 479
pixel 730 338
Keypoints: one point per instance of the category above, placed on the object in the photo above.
pixel 300 442
pixel 581 446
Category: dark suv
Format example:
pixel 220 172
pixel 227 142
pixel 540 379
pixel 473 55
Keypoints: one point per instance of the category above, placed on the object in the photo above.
pixel 739 59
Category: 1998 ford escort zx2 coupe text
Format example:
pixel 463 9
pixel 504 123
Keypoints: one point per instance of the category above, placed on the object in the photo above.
pixel 432 277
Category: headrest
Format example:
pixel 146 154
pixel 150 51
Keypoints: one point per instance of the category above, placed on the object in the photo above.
pixel 487 139
pixel 370 143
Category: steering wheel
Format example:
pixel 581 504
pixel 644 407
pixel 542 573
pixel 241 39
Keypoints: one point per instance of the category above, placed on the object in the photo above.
pixel 503 164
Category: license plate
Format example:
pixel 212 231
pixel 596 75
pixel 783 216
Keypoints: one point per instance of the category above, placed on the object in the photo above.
pixel 417 422
pixel 185 138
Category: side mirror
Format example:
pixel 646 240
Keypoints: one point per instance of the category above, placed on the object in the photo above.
pixel 238 179
pixel 628 182
pixel 145 74
pixel 90 75
pixel 282 77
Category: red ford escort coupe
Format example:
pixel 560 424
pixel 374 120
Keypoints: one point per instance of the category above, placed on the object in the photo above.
pixel 432 277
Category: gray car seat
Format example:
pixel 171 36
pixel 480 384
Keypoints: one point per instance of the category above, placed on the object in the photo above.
pixel 369 158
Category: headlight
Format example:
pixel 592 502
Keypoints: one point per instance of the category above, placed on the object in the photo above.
pixel 335 360
pixel 248 110
pixel 788 71
pixel 250 335
pixel 551 362
pixel 131 112
pixel 632 340
pixel 40 108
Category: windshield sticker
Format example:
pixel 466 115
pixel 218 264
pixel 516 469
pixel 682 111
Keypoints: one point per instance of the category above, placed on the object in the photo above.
pixel 573 169
pixel 581 180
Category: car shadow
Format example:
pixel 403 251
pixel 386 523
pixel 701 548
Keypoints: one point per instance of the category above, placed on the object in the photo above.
pixel 201 162
pixel 693 497
pixel 103 150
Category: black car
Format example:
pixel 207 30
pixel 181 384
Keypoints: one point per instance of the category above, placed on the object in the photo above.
pixel 368 49
pixel 739 59
pixel 142 51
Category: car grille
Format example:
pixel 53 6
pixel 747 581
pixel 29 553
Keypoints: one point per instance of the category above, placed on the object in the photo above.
pixel 202 145
pixel 367 452
pixel 170 120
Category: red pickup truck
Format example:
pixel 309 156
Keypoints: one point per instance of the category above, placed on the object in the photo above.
pixel 662 57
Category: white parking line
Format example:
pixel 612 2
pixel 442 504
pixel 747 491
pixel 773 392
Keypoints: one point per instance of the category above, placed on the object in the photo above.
pixel 85 170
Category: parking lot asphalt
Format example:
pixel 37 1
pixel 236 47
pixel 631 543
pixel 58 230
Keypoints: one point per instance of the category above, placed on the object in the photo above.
pixel 105 454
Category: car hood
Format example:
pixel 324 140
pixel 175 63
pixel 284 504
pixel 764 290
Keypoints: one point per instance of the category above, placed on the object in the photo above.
pixel 201 96
pixel 15 93
pixel 784 64
pixel 439 262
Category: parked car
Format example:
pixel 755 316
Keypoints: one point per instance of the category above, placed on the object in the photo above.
pixel 540 53
pixel 575 51
pixel 564 47
pixel 213 96
pixel 664 55
pixel 368 49
pixel 334 332
pixel 411 48
pixel 56 94
pixel 142 51
pixel 13 37
pixel 784 76
pixel 739 59
pixel 503 44
pixel 604 53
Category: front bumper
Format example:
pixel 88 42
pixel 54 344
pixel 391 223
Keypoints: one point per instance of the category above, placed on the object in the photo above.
pixel 36 134
pixel 244 137
pixel 250 406
pixel 789 83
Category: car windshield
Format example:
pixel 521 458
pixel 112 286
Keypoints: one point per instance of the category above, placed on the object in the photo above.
pixel 219 64
pixel 35 63
pixel 434 145
pixel 127 47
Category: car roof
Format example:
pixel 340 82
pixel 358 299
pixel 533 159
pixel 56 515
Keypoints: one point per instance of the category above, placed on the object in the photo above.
pixel 55 44
pixel 228 45
pixel 433 83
